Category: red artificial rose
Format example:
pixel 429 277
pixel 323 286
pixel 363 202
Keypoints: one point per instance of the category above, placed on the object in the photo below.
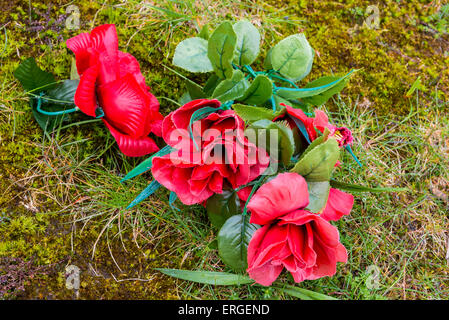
pixel 112 80
pixel 222 156
pixel 338 204
pixel 304 243
pixel 320 122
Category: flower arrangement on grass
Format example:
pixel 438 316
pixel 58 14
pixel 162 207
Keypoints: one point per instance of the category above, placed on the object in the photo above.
pixel 250 146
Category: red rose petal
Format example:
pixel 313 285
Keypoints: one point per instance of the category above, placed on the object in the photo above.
pixel 126 106
pixel 85 97
pixel 285 193
pixel 338 204
pixel 128 64
pixel 104 38
pixel 132 147
pixel 80 45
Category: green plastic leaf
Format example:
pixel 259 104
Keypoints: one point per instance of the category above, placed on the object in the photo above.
pixel 207 277
pixel 231 89
pixel 248 43
pixel 286 142
pixel 258 92
pixel 191 55
pixel 221 46
pixel 64 91
pixel 205 32
pixel 211 84
pixel 221 206
pixel 32 77
pixel 305 294
pixel 250 113
pixel 267 62
pixel 318 195
pixel 358 188
pixel 73 71
pixel 148 191
pixel 318 163
pixel 147 164
pixel 233 240
pixel 195 91
pixel 322 97
pixel 292 57
pixel 185 98
pixel 312 145
pixel 284 145
pixel 301 93
pixel 300 143
pixel 213 245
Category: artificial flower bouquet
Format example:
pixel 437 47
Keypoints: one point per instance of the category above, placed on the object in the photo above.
pixel 249 146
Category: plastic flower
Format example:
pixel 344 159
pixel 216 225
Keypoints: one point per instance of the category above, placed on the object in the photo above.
pixel 304 243
pixel 338 204
pixel 224 157
pixel 111 83
pixel 320 122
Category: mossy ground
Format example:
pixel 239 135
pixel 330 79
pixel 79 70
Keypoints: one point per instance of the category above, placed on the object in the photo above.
pixel 48 181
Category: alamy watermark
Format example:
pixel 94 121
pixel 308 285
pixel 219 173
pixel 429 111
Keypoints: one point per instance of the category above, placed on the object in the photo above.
pixel 72 282
pixel 69 20
pixel 72 22
pixel 369 18
pixel 373 20
pixel 373 279
pixel 231 147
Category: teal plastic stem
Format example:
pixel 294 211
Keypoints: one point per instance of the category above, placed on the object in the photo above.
pixel 147 164
pixel 349 149
pixel 250 70
pixel 254 189
pixel 227 105
pixel 282 79
pixel 52 113
pixel 316 88
pixel 172 199
pixel 270 74
pixel 99 113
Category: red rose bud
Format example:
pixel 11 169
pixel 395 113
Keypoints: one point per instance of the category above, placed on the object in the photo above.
pixel 304 243
pixel 343 136
pixel 111 83
pixel 320 122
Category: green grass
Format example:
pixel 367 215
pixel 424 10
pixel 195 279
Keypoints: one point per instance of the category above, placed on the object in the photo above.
pixel 61 200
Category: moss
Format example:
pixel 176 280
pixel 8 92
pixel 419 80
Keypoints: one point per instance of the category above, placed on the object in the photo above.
pixel 390 57
pixel 32 237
